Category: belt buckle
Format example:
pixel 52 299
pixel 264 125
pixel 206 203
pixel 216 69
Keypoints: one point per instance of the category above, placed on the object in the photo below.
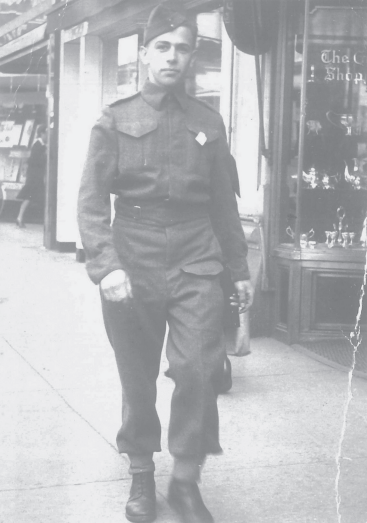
pixel 136 211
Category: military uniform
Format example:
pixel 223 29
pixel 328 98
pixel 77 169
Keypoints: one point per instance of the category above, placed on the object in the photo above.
pixel 165 156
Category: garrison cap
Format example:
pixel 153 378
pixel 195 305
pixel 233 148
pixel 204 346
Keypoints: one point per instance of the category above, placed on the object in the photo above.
pixel 166 18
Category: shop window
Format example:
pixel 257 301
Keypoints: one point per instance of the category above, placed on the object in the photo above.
pixel 128 68
pixel 325 155
pixel 205 81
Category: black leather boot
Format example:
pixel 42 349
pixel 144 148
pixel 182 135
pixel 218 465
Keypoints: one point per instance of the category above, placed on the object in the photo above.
pixel 141 505
pixel 185 498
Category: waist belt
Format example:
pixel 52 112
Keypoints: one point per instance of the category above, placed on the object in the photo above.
pixel 164 213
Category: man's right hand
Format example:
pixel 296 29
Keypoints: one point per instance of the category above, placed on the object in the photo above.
pixel 116 286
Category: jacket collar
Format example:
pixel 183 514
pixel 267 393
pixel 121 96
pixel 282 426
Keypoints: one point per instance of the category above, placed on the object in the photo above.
pixel 154 95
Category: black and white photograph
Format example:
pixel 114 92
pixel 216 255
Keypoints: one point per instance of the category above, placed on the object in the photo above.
pixel 183 268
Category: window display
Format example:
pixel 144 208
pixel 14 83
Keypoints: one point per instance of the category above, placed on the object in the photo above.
pixel 327 165
pixel 320 233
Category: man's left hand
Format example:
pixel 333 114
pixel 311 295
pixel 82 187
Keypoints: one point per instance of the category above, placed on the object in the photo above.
pixel 245 292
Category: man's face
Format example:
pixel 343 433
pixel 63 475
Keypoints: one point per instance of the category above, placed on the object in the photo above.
pixel 169 56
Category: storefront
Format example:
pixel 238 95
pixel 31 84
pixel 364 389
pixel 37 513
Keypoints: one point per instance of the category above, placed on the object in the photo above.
pixel 318 211
pixel 26 74
pixel 23 106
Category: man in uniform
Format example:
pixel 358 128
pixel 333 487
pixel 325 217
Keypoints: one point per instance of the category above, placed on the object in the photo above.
pixel 165 155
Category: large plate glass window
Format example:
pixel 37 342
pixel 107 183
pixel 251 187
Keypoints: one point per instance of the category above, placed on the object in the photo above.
pixel 205 79
pixel 128 66
pixel 326 175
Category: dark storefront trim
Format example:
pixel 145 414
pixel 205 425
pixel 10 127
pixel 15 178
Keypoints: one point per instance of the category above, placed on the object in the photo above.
pixel 112 18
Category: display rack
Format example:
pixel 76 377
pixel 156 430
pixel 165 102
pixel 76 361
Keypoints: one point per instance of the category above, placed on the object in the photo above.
pixel 16 137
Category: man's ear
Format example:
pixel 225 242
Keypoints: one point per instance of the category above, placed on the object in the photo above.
pixel 143 51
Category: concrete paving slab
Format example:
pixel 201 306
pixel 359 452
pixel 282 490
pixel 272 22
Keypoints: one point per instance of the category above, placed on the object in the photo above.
pixel 352 490
pixel 269 357
pixel 57 345
pixel 354 440
pixel 286 494
pixel 15 373
pixel 272 420
pixel 43 442
pixel 101 407
pixel 297 494
pixel 290 494
pixel 98 502
pixel 68 363
pixel 61 326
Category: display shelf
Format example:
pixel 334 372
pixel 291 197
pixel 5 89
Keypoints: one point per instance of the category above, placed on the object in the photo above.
pixel 323 253
pixel 16 136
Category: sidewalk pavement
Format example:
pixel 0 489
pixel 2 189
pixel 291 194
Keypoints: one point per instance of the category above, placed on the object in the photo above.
pixel 293 430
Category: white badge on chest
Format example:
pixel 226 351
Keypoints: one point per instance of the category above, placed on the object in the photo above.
pixel 201 138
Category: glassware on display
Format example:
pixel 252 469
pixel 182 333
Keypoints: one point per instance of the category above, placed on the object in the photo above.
pixel 290 232
pixel 305 239
pixel 340 236
pixel 347 120
pixel 341 165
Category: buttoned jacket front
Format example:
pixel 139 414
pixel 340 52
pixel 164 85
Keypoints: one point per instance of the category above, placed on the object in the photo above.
pixel 151 148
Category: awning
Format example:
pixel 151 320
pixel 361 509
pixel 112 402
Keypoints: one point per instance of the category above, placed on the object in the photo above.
pixel 77 12
pixel 28 40
pixel 19 24
pixel 111 17
pixel 252 25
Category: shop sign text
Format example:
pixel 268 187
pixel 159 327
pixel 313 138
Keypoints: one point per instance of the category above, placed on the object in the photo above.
pixel 337 69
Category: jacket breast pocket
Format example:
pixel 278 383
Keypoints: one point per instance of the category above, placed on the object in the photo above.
pixel 201 148
pixel 137 145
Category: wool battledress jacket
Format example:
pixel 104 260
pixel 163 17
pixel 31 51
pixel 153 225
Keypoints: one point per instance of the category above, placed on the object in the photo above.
pixel 158 150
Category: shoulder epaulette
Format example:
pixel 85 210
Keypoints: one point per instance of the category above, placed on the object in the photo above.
pixel 122 100
pixel 205 104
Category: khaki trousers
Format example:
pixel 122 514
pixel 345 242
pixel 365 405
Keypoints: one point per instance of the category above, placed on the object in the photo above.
pixel 174 270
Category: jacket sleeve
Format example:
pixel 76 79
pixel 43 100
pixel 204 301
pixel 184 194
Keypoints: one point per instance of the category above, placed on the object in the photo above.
pixel 94 207
pixel 224 212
